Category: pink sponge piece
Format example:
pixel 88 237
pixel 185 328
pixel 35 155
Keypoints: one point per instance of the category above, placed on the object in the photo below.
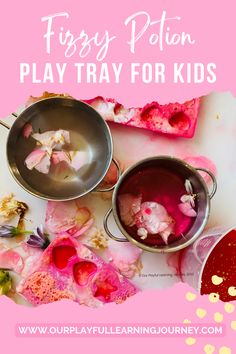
pixel 175 119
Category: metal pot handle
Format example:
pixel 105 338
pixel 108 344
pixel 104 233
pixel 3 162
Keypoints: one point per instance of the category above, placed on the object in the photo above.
pixel 214 186
pixel 118 176
pixel 5 125
pixel 105 221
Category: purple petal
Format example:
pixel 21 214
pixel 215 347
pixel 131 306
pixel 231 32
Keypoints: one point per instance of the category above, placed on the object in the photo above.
pixel 8 231
pixel 36 240
pixel 34 243
pixel 40 233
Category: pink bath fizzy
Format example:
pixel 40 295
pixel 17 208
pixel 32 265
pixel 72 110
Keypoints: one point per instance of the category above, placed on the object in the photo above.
pixel 174 118
pixel 69 270
pixel 154 219
pixel 68 217
pixel 125 257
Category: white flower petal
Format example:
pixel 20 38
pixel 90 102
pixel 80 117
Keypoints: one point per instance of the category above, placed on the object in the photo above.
pixel 188 186
pixel 185 198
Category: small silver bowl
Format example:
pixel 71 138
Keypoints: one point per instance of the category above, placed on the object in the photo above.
pixel 89 130
pixel 199 186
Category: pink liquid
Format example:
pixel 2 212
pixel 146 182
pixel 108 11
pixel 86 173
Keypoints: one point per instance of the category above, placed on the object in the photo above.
pixel 164 186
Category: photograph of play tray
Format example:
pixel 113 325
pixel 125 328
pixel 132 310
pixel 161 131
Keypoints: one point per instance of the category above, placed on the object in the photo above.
pixel 157 196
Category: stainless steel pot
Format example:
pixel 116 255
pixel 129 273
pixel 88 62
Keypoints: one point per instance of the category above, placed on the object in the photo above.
pixel 88 127
pixel 199 187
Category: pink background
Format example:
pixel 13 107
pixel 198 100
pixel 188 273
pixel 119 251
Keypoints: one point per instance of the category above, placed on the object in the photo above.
pixel 210 24
pixel 157 307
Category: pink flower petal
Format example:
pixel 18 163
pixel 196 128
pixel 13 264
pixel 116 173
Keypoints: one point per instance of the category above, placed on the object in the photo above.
pixel 125 257
pixel 34 158
pixel 59 156
pixel 188 198
pixel 187 209
pixel 11 260
pixel 31 258
pixel 78 159
pixel 44 165
pixel 53 139
pixel 27 130
pixel 67 217
pixel 74 159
